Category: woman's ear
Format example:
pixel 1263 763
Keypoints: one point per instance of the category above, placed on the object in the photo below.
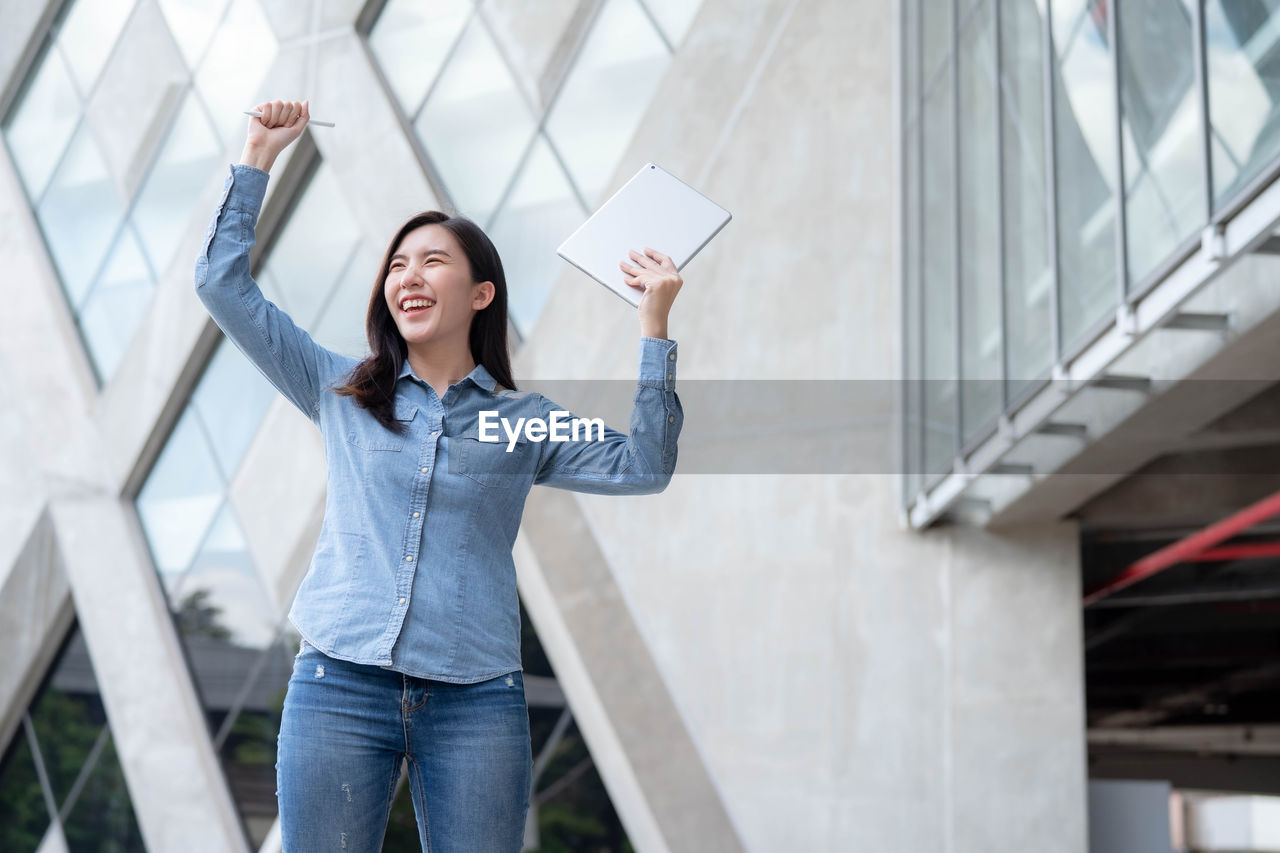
pixel 481 298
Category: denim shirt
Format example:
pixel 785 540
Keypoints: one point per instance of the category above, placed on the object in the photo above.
pixel 413 568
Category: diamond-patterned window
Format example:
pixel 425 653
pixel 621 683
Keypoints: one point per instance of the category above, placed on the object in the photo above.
pixel 182 169
pixel 79 214
pixel 41 126
pixel 540 213
pixel 411 40
pixel 476 125
pixel 63 754
pixel 312 252
pixel 527 173
pixel 605 95
pixel 112 201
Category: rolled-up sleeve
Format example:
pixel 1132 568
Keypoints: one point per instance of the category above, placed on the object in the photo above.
pixel 290 359
pixel 638 463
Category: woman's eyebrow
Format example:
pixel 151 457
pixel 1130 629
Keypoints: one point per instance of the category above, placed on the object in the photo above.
pixel 405 257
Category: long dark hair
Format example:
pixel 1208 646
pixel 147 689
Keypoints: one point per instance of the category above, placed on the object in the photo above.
pixel 373 381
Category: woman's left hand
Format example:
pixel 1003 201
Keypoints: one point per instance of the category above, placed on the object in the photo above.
pixel 655 275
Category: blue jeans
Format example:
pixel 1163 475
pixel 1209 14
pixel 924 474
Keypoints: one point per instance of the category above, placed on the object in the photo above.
pixel 346 728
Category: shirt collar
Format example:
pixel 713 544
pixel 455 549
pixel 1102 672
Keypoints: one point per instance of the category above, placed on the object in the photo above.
pixel 480 377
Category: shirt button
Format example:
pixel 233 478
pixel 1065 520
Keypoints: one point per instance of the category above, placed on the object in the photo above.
pixel 409 559
pixel 668 375
pixel 435 432
pixel 424 470
pixel 415 515
pixel 672 356
pixel 402 601
pixel 671 419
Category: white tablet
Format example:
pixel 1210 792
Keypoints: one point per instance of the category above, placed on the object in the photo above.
pixel 654 209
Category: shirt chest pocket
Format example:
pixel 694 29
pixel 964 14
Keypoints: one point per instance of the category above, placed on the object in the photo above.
pixel 491 465
pixel 367 434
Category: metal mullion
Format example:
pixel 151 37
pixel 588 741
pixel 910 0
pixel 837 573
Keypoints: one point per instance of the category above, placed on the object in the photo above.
pixel 653 22
pixel 30 57
pixel 1174 259
pixel 1202 101
pixel 979 438
pixel 569 65
pixel 82 119
pixel 408 132
pixel 1001 271
pixel 1026 393
pixel 1247 192
pixel 540 126
pixel 1051 199
pixel 515 176
pixel 919 381
pixel 512 69
pixel 444 64
pixel 37 758
pixel 86 770
pixel 957 300
pixel 1122 190
pixel 368 16
pixel 935 74
pixel 131 204
pixel 204 52
pixel 1088 336
pixel 540 129
pixel 337 282
pixel 904 344
pixel 251 679
pixel 87 97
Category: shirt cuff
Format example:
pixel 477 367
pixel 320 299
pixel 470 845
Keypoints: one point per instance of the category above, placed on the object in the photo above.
pixel 658 363
pixel 245 188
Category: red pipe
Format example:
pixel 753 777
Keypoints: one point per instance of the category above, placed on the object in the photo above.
pixel 1243 551
pixel 1189 548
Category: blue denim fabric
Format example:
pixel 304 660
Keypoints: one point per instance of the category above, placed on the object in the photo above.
pixel 413 569
pixel 345 729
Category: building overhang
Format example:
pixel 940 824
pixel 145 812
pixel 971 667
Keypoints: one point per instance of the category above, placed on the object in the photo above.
pixel 1199 343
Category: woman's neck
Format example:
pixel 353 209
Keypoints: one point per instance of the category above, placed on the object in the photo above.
pixel 440 367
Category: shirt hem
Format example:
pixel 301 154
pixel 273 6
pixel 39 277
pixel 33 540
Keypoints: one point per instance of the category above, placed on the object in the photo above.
pixel 451 679
pixel 456 679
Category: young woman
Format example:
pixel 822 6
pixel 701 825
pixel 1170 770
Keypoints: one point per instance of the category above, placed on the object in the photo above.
pixel 408 612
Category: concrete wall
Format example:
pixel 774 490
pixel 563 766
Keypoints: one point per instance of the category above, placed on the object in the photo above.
pixel 848 684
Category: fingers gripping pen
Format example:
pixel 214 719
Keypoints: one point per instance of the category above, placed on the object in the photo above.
pixel 258 114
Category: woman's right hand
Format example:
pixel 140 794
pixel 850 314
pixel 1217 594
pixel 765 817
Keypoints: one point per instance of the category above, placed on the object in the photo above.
pixel 279 125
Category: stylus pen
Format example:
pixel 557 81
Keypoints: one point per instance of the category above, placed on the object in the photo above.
pixel 257 114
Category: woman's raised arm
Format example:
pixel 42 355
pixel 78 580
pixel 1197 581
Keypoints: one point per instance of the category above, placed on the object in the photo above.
pixel 290 359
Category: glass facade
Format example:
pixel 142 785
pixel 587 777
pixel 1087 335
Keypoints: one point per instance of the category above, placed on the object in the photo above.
pixel 1060 157
pixel 60 772
pixel 1240 38
pixel 112 237
pixel 524 156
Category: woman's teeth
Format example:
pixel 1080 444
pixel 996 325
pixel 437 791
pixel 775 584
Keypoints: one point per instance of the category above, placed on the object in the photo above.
pixel 415 304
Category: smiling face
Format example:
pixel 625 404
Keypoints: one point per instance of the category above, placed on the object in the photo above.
pixel 429 288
